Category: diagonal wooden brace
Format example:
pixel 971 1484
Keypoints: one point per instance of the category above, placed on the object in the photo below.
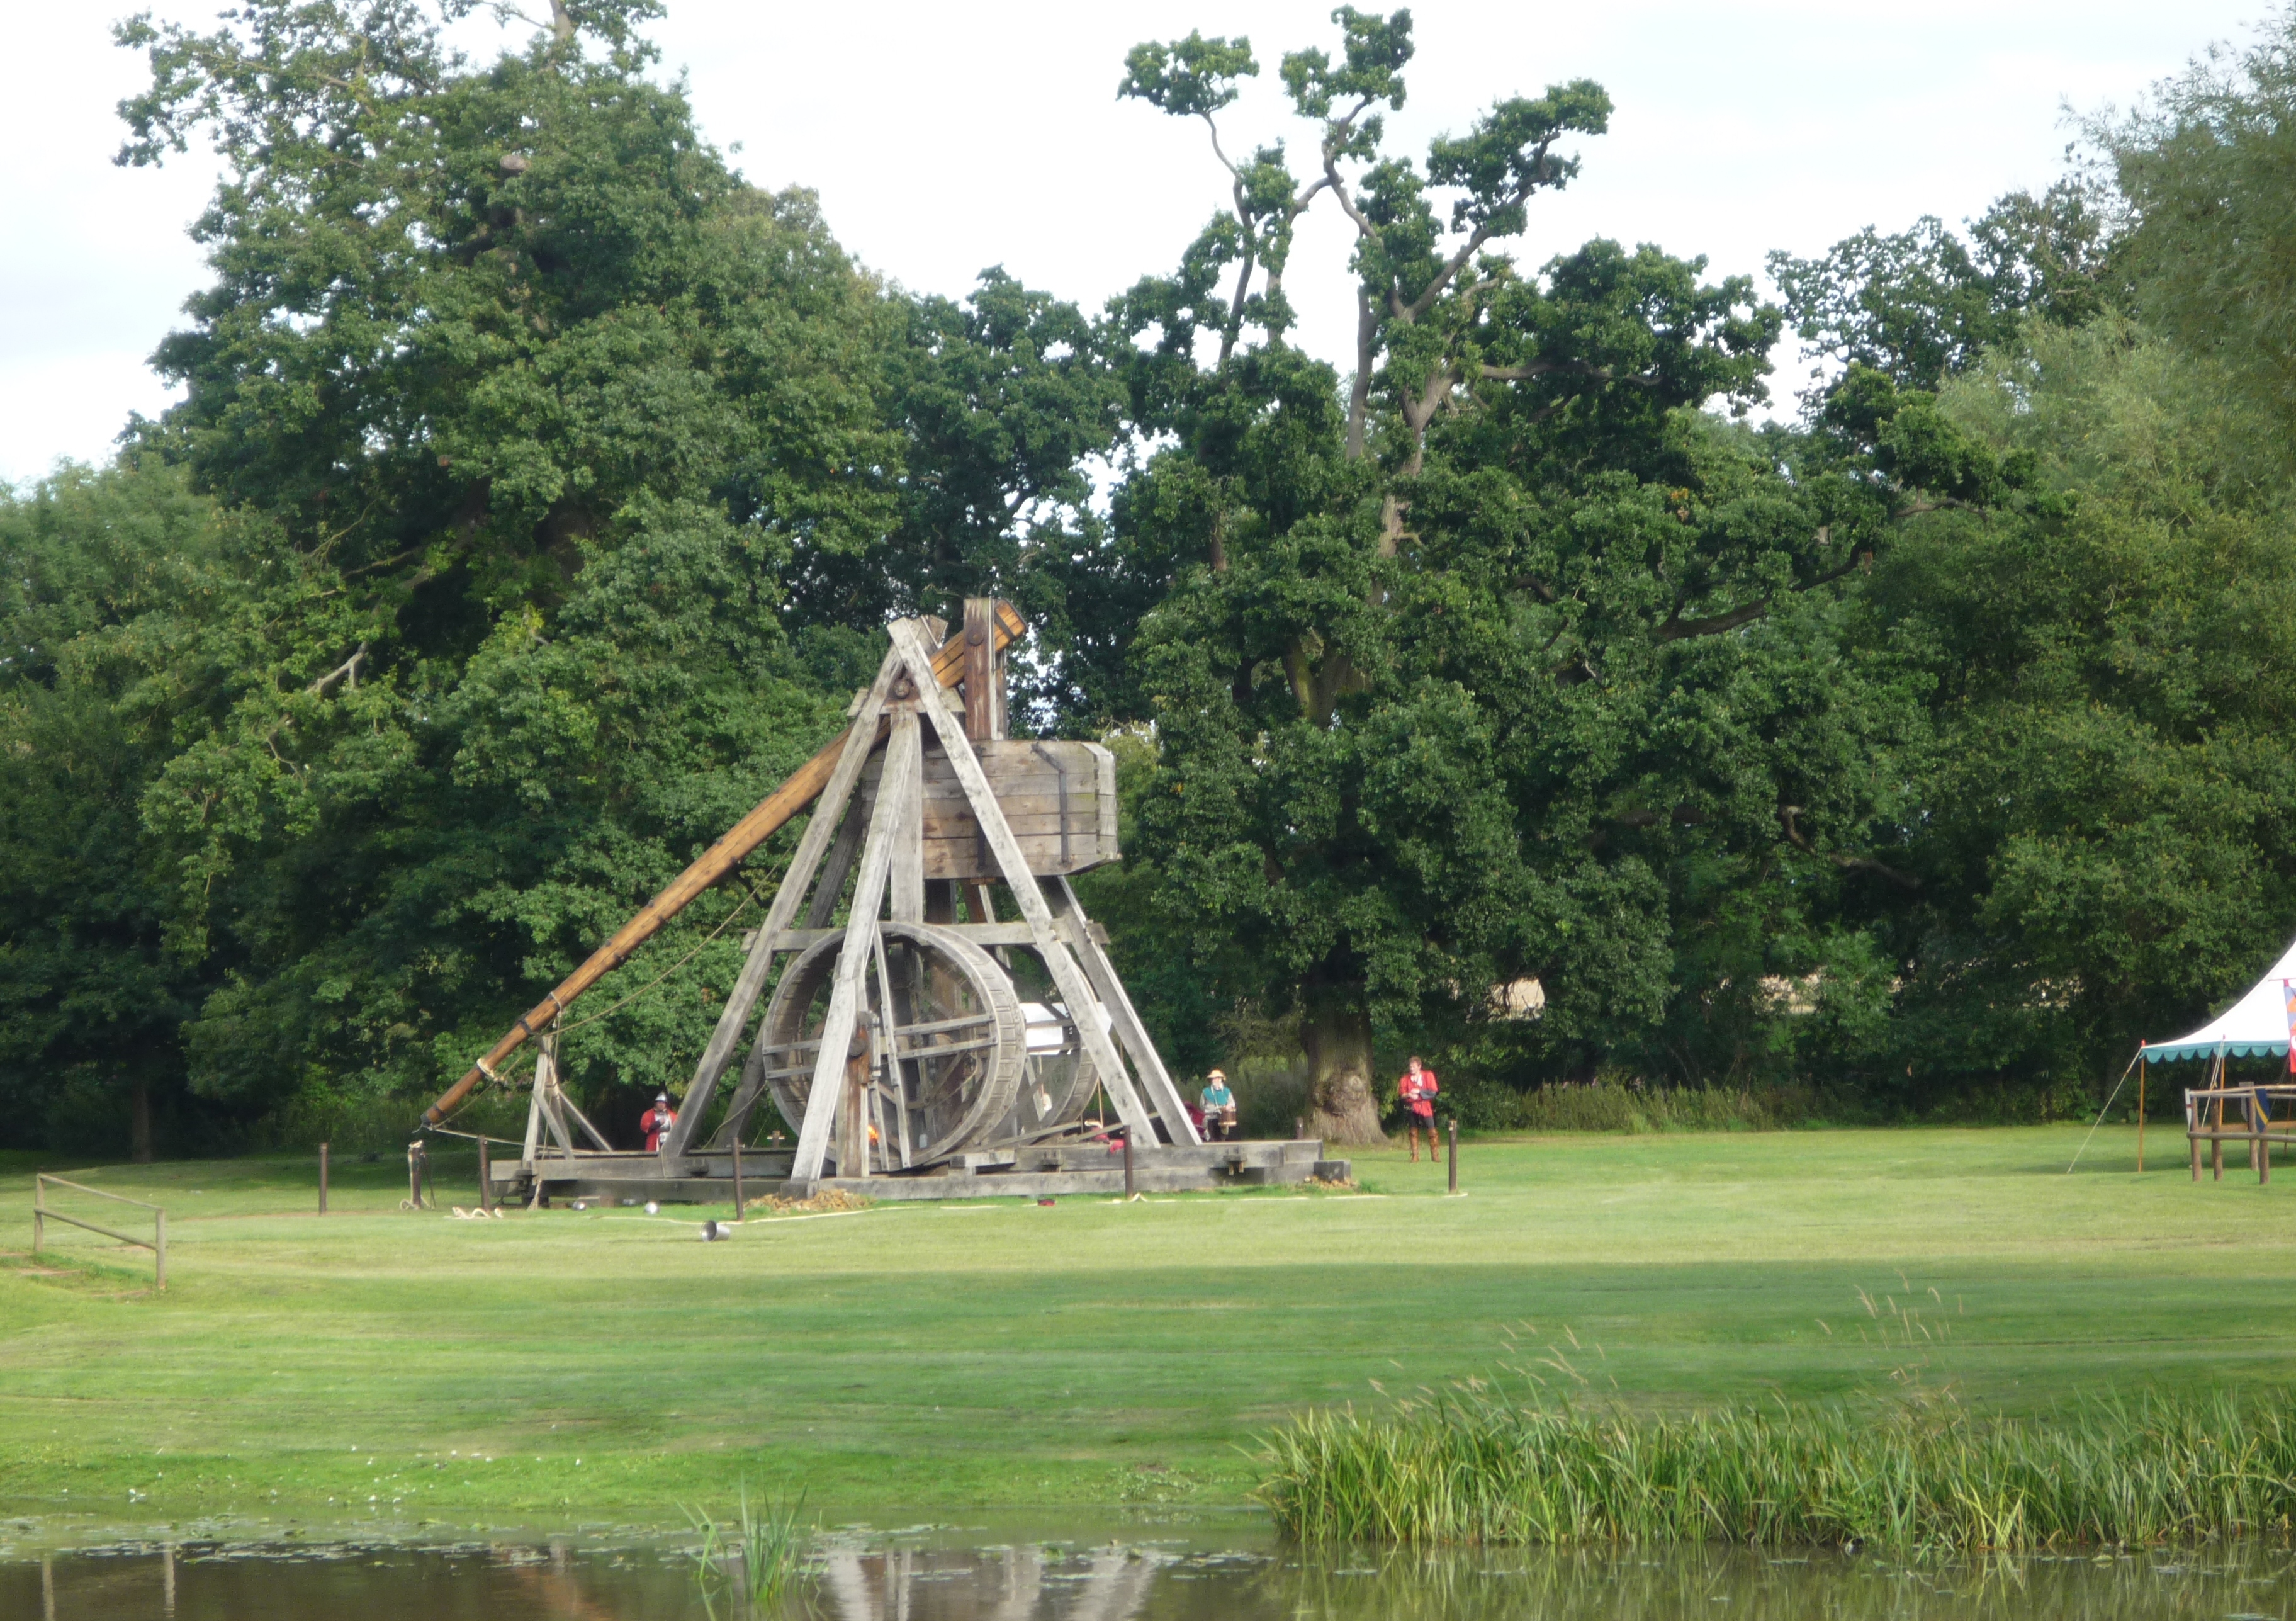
pixel 1075 929
pixel 904 777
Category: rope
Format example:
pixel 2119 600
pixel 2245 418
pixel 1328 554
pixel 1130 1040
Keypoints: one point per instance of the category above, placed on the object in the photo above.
pixel 654 982
pixel 2102 1112
pixel 469 1100
pixel 508 1142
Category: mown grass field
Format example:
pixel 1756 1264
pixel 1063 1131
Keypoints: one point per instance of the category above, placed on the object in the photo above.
pixel 607 1364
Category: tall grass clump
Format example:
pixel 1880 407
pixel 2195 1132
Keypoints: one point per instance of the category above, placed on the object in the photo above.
pixel 754 1557
pixel 1473 1466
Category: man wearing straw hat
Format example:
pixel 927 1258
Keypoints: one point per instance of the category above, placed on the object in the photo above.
pixel 1219 1108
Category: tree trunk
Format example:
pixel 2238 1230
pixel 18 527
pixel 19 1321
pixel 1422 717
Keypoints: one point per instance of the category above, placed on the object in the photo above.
pixel 1342 1106
pixel 139 1121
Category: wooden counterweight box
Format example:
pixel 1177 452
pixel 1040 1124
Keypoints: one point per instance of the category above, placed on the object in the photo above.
pixel 1059 797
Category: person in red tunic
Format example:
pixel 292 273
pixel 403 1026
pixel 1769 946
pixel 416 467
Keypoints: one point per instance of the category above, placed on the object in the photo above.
pixel 658 1119
pixel 1417 1089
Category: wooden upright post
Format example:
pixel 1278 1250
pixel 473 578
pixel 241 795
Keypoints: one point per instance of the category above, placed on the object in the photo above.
pixel 485 1178
pixel 853 1116
pixel 984 684
pixel 905 753
pixel 323 1179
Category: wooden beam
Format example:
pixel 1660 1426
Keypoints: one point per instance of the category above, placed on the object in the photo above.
pixel 836 868
pixel 905 760
pixel 979 933
pixel 845 993
pixel 981 675
pixel 1077 930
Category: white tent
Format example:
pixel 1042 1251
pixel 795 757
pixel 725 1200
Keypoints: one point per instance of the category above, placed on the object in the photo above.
pixel 2252 1026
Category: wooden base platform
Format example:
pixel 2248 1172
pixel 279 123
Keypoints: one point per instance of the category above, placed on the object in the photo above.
pixel 1047 1171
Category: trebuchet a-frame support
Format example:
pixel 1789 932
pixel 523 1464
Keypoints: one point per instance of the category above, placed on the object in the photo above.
pixel 890 885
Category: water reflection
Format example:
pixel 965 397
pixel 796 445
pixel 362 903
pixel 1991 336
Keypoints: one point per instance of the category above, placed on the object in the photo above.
pixel 865 1577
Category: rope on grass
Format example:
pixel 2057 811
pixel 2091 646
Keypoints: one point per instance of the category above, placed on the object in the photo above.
pixel 2102 1112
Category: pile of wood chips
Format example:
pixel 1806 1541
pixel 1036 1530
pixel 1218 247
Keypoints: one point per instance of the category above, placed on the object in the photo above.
pixel 827 1200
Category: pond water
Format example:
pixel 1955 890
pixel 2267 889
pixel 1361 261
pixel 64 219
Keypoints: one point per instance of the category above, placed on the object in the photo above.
pixel 1134 1571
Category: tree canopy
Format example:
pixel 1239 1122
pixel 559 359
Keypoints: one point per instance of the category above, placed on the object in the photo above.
pixel 1522 685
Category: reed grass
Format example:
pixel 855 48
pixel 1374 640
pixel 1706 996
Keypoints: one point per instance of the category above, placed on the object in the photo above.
pixel 1472 1465
pixel 753 1558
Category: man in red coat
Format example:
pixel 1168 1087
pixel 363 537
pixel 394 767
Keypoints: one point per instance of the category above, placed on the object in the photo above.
pixel 658 1119
pixel 1417 1089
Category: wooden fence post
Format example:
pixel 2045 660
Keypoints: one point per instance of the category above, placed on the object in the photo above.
pixel 1455 1154
pixel 737 1175
pixel 1128 1194
pixel 485 1178
pixel 323 1179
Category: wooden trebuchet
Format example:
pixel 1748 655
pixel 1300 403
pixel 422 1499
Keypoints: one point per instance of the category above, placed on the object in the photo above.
pixel 772 814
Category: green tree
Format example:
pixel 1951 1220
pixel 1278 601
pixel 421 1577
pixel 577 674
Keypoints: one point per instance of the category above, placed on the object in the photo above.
pixel 95 568
pixel 1471 658
pixel 2104 824
pixel 1002 402
pixel 2203 166
pixel 524 407
pixel 1921 304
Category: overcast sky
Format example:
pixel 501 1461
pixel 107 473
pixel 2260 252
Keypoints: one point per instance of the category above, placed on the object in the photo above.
pixel 946 138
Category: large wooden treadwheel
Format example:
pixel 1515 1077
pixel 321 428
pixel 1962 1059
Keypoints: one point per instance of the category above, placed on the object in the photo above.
pixel 948 1042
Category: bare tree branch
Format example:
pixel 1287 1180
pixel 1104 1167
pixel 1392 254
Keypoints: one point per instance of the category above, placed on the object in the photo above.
pixel 1678 629
pixel 1576 368
pixel 346 672
pixel 1788 816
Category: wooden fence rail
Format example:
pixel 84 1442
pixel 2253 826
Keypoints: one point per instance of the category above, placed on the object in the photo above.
pixel 42 1216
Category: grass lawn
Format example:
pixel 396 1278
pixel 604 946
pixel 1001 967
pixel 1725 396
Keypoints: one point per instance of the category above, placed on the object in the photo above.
pixel 607 1365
